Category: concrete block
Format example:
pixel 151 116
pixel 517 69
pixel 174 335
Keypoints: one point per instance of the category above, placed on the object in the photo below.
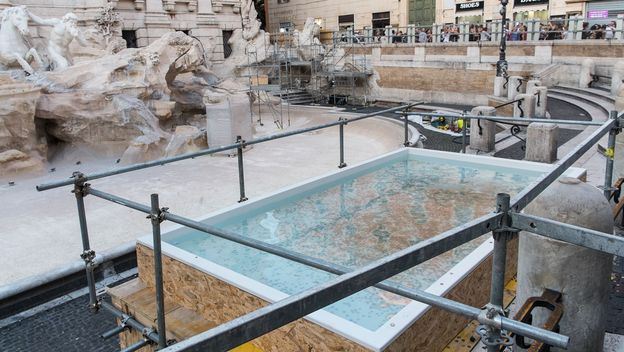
pixel 582 275
pixel 514 87
pixel 526 107
pixel 228 118
pixel 531 84
pixel 616 77
pixel 541 102
pixel 482 139
pixel 541 143
pixel 588 68
pixel 499 87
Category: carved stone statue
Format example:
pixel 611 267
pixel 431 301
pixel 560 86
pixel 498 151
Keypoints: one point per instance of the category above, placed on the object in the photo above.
pixel 15 50
pixel 64 31
pixel 251 25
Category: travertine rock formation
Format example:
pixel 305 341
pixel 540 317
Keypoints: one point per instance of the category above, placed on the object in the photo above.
pixel 118 98
pixel 20 146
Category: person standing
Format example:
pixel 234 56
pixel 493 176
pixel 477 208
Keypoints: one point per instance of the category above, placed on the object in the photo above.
pixel 485 35
pixel 610 30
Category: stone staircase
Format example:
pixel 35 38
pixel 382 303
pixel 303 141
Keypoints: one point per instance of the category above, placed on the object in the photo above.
pixel 297 97
pixel 601 101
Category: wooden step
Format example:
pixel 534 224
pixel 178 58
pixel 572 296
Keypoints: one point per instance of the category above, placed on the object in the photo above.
pixel 139 301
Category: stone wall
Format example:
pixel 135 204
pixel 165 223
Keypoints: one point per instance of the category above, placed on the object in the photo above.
pixel 463 73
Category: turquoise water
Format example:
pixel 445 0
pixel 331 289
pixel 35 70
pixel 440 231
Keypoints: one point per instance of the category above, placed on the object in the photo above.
pixel 357 220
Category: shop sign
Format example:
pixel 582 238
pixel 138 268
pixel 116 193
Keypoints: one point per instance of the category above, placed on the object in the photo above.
pixel 469 6
pixel 529 2
pixel 597 14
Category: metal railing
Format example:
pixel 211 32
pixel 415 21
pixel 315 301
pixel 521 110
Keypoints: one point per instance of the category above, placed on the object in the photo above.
pixel 574 28
pixel 504 223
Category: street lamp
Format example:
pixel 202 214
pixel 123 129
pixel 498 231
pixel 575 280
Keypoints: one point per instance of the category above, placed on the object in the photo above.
pixel 501 64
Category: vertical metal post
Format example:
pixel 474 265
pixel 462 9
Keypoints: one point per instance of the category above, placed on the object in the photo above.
pixel 341 126
pixel 156 218
pixel 241 172
pixel 499 258
pixel 501 64
pixel 405 130
pixel 464 128
pixel 88 255
pixel 609 154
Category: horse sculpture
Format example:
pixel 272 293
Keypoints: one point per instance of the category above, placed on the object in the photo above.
pixel 14 48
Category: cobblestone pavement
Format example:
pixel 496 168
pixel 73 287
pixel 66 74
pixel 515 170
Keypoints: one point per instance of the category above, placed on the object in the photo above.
pixel 68 327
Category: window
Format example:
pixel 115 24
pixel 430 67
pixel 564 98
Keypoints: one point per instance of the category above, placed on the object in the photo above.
pixel 282 1
pixel 345 22
pixel 227 49
pixel 286 27
pixel 381 19
pixel 130 38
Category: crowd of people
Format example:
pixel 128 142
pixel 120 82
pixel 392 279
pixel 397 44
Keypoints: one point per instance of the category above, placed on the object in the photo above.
pixel 517 31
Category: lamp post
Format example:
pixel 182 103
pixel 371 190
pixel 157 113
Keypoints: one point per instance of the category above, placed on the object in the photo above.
pixel 501 64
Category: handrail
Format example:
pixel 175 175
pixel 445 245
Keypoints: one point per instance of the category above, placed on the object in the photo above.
pixel 164 161
pixel 508 103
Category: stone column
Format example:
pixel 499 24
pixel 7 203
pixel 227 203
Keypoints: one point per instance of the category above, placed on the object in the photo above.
pixel 533 28
pixel 619 26
pixel 541 101
pixel 616 77
pixel 526 107
pixel 389 34
pixel 496 30
pixel 581 275
pixel 368 34
pixel 482 139
pixel 572 28
pixel 541 142
pixel 411 33
pixel 463 32
pixel 435 33
pixel 588 68
pixel 514 87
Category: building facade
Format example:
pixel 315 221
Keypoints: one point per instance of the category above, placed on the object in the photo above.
pixel 462 11
pixel 144 21
pixel 334 15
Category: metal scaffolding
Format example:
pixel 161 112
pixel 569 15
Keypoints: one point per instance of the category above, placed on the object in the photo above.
pixel 505 223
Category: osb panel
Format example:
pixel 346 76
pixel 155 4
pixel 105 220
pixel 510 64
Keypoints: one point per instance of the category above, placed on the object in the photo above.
pixel 398 51
pixel 446 50
pixel 437 327
pixel 359 50
pixel 436 79
pixel 219 302
pixel 130 337
pixel 615 51
pixel 511 50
